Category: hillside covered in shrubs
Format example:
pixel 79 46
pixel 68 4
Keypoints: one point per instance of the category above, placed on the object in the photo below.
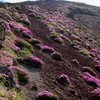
pixel 49 51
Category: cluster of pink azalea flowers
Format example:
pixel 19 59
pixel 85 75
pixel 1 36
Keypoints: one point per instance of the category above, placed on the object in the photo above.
pixel 46 95
pixel 35 61
pixel 6 61
pixel 24 31
pixel 90 79
pixel 6 24
pixel 21 16
pixel 75 61
pixel 54 54
pixel 6 95
pixel 90 70
pixel 96 92
pixel 64 79
pixel 14 47
pixel 47 49
pixel 25 17
pixel 24 75
pixel 16 68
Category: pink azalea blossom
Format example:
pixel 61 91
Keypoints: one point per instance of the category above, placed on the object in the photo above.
pixel 90 79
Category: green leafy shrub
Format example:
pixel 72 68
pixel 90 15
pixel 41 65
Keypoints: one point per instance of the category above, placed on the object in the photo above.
pixel 59 40
pixel 25 22
pixel 26 48
pixel 8 55
pixel 39 17
pixel 85 52
pixel 11 94
pixel 35 42
pixel 53 23
pixel 52 36
pixel 20 74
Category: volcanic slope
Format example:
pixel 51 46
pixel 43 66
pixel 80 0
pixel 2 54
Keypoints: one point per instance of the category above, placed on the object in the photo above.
pixel 44 41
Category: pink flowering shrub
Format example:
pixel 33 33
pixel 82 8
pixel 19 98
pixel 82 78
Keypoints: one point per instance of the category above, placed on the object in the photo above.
pixel 30 11
pixel 24 19
pixel 14 47
pixel 75 61
pixel 32 14
pixel 77 47
pixel 9 17
pixel 90 39
pixel 45 95
pixel 89 70
pixel 92 54
pixel 92 80
pixel 5 24
pixel 34 61
pixel 94 51
pixel 96 93
pixel 87 45
pixel 8 53
pixel 3 78
pixel 56 56
pixel 64 37
pixel 59 40
pixel 17 15
pixel 21 74
pixel 47 49
pixel 96 60
pixel 6 61
pixel 5 95
pixel 74 37
pixel 27 23
pixel 10 95
pixel 24 31
pixel 63 79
